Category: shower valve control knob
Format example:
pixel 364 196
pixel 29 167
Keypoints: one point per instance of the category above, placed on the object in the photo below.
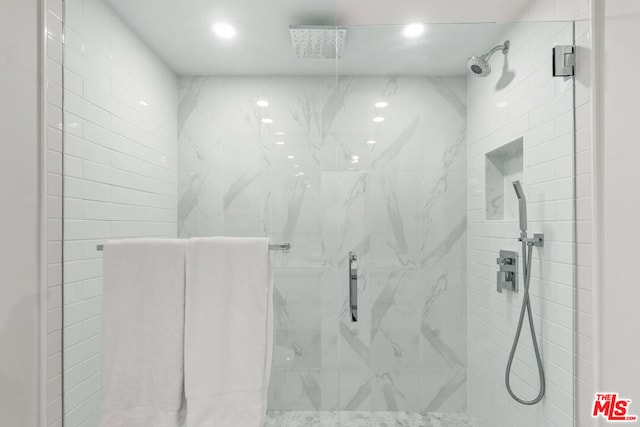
pixel 507 275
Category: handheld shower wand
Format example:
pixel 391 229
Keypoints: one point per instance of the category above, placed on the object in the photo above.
pixel 522 204
pixel 527 252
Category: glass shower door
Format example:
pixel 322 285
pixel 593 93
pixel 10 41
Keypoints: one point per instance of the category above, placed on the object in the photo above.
pixel 427 154
pixel 400 137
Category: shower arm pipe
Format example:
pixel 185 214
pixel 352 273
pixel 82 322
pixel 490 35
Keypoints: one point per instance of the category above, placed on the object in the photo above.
pixel 279 247
pixel 503 47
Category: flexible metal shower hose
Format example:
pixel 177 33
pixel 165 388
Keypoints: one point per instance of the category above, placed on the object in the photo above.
pixel 526 306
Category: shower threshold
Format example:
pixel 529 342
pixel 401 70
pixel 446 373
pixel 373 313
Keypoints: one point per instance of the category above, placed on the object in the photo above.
pixel 367 419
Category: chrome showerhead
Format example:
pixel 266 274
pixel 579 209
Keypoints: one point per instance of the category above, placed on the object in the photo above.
pixel 479 66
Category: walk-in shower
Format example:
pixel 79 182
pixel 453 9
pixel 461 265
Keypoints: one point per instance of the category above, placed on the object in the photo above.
pixel 378 156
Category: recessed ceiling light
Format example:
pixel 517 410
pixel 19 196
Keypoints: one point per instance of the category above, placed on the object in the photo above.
pixel 144 104
pixel 378 119
pixel 279 133
pixel 279 142
pixel 371 141
pixel 262 103
pixel 413 30
pixel 290 157
pixel 267 120
pixel 224 30
pixel 296 166
pixel 381 104
pixel 502 104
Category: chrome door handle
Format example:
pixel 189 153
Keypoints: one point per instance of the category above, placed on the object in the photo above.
pixel 353 286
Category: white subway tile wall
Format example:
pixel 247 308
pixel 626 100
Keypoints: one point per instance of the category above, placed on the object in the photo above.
pixel 52 63
pixel 522 99
pixel 120 179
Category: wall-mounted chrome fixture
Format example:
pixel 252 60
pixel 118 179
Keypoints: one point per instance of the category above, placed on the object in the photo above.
pixel 564 60
pixel 527 252
pixel 508 274
pixel 479 65
pixel 353 286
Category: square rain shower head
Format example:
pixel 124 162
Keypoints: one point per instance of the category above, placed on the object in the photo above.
pixel 318 41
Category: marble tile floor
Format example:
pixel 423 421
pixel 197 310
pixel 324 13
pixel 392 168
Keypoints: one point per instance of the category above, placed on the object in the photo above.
pixel 366 419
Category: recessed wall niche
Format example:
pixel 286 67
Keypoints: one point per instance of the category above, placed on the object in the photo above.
pixel 502 166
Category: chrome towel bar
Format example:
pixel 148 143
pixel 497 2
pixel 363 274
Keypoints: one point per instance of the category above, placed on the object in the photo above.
pixel 280 247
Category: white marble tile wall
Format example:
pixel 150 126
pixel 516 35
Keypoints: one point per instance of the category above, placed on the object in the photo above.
pixel 120 175
pixel 522 99
pixel 310 178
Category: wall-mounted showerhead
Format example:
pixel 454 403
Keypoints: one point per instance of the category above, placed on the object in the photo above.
pixel 522 202
pixel 479 65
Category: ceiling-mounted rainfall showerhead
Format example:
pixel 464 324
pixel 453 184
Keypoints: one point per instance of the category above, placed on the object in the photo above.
pixel 480 65
pixel 318 41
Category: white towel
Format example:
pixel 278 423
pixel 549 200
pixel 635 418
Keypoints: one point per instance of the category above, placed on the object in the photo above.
pixel 228 331
pixel 143 333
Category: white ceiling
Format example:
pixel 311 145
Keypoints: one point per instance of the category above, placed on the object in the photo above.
pixel 384 12
pixel 179 32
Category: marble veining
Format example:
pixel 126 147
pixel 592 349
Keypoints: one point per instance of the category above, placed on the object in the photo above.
pixel 190 89
pixel 355 342
pixel 237 187
pixel 453 98
pixel 367 419
pixel 434 338
pixel 403 138
pixel 441 185
pixel 335 103
pixel 189 198
pixel 401 245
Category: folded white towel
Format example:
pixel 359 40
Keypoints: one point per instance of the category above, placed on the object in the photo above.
pixel 228 331
pixel 143 333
